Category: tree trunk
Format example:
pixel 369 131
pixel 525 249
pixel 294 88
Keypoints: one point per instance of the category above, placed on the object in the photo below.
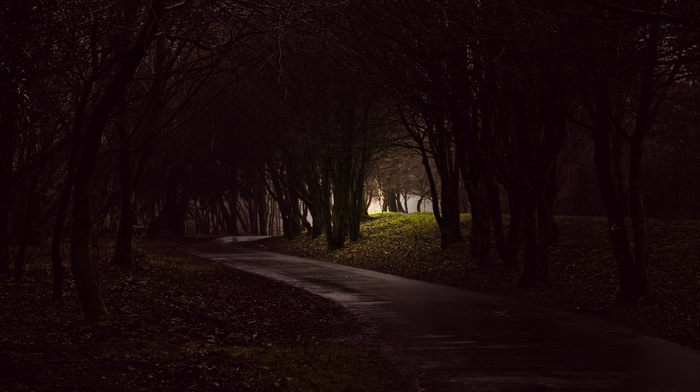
pixel 28 223
pixel 494 202
pixel 607 139
pixel 547 208
pixel 89 295
pixel 480 234
pixel 172 218
pixel 530 276
pixel 57 239
pixel 125 231
pixel 341 188
pixel 261 200
pixel 296 226
pixel 609 189
pixel 7 130
pixel 317 220
pixel 516 228
pixel 537 226
pixel 65 197
pixel 358 206
pixel 390 203
pixel 637 285
pixel 450 230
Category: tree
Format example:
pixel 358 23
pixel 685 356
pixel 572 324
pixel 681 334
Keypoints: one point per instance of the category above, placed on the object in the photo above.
pixel 625 114
pixel 88 292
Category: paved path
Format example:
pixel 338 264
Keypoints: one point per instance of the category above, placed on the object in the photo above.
pixel 466 341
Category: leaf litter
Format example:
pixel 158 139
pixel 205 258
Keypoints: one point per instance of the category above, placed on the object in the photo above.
pixel 179 322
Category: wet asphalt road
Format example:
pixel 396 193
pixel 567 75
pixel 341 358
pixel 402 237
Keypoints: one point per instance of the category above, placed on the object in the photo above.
pixel 466 341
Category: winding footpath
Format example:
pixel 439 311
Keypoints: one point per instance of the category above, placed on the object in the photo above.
pixel 466 341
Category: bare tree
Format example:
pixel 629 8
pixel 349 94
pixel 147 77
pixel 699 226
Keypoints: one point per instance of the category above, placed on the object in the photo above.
pixel 622 103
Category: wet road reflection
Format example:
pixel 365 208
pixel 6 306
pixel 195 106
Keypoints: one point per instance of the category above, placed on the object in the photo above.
pixel 466 341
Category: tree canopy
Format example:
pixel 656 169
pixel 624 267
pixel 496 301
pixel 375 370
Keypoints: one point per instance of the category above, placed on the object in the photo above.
pixel 247 117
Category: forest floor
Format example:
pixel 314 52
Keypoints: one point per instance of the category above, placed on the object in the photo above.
pixel 182 323
pixel 179 322
pixel 583 270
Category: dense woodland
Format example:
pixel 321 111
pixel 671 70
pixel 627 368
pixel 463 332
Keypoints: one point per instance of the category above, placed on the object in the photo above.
pixel 200 117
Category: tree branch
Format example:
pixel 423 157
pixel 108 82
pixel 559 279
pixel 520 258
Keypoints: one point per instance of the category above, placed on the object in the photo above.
pixel 687 21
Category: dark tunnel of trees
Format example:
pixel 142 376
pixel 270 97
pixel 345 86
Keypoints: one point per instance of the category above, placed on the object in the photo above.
pixel 287 117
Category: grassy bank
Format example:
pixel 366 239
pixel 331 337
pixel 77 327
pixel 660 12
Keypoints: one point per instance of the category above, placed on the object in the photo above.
pixel 183 323
pixel 583 271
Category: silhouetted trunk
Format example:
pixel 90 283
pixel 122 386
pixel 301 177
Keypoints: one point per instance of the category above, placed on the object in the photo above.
pixel 317 220
pixel 480 233
pixel 315 203
pixel 515 228
pixel 637 284
pixel 27 224
pixel 57 240
pixel 358 206
pixel 261 200
pixel 480 144
pixel 606 143
pixel 499 236
pixel 547 208
pixel 230 211
pixel 63 202
pixel 607 139
pixel 125 231
pixel 295 225
pixel 325 200
pixel 447 166
pixel 341 205
pixel 171 218
pixel 399 204
pixel 608 183
pixel 231 207
pixel 437 212
pixel 7 130
pixel 390 203
pixel 536 258
pixel 91 301
pixel 531 271
pixel 474 171
pixel 450 231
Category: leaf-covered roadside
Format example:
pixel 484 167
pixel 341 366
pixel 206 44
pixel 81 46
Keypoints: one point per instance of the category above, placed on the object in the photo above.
pixel 183 323
pixel 583 271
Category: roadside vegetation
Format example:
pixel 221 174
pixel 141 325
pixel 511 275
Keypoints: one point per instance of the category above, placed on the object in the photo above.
pixel 181 323
pixel 583 270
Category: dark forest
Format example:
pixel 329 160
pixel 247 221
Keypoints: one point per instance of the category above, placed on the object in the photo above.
pixel 192 118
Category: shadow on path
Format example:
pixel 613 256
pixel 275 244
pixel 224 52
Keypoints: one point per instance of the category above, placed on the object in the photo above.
pixel 466 341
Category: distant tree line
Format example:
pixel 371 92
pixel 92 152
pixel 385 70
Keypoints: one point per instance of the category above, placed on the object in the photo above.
pixel 247 117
